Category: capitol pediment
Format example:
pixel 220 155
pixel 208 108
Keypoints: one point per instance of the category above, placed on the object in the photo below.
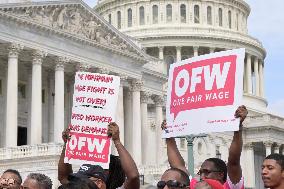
pixel 74 18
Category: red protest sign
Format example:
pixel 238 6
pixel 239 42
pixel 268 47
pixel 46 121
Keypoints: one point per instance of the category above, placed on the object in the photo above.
pixel 204 92
pixel 205 83
pixel 88 147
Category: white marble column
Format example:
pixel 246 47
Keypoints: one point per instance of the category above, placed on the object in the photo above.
pixel 268 146
pixel 148 145
pixel 71 91
pixel 256 74
pixel 178 48
pixel 29 99
pixel 128 121
pixel 51 96
pixel 161 53
pixel 250 173
pixel 261 79
pixel 36 117
pixel 195 51
pixel 12 96
pixel 159 102
pixel 120 108
pixel 136 121
pixel 59 99
pixel 211 49
pixel 248 74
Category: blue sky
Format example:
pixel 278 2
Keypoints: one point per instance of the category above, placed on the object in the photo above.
pixel 266 23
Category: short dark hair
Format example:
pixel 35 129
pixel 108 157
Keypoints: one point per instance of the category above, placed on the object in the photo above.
pixel 116 175
pixel 16 173
pixel 220 165
pixel 79 183
pixel 279 158
pixel 184 175
pixel 43 180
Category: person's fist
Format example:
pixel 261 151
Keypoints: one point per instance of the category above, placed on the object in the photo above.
pixel 113 131
pixel 241 113
pixel 66 135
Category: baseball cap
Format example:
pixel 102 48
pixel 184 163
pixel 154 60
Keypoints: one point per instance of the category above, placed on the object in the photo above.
pixel 88 170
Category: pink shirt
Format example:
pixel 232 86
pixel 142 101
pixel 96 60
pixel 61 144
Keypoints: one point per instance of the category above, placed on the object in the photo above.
pixel 227 185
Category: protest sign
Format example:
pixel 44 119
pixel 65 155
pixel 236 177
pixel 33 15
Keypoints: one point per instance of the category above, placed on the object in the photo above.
pixel 94 104
pixel 204 92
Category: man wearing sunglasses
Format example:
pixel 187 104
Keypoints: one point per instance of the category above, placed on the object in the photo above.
pixel 229 175
pixel 174 178
pixel 11 179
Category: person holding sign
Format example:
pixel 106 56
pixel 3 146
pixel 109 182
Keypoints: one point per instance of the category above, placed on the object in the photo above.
pixel 96 174
pixel 229 175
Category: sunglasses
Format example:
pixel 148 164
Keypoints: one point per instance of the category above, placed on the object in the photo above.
pixel 171 184
pixel 207 172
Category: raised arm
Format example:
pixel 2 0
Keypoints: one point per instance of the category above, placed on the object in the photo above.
pixel 174 157
pixel 64 169
pixel 234 166
pixel 128 165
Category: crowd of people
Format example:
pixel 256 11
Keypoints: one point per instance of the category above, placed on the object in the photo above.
pixel 123 173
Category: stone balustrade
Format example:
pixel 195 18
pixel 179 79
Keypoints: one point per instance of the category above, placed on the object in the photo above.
pixel 30 151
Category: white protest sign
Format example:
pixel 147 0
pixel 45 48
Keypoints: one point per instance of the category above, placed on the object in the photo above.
pixel 204 92
pixel 94 105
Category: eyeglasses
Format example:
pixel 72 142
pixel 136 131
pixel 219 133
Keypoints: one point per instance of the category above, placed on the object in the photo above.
pixel 171 184
pixel 8 181
pixel 207 172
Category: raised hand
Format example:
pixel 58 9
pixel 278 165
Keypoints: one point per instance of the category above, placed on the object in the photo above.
pixel 241 113
pixel 113 132
pixel 66 135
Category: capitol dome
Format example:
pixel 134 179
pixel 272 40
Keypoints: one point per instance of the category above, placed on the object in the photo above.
pixel 177 30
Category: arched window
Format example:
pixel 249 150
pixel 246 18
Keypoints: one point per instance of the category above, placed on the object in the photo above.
pixel 209 15
pixel 169 13
pixel 183 13
pixel 129 16
pixel 220 15
pixel 230 19
pixel 155 14
pixel 196 14
pixel 109 18
pixel 118 20
pixel 141 16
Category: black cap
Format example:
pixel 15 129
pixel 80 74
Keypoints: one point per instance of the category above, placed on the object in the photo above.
pixel 87 170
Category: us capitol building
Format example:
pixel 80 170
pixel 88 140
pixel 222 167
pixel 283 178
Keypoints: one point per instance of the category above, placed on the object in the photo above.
pixel 43 44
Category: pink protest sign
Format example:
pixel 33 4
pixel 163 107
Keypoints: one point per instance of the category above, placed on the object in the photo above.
pixel 94 104
pixel 204 92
